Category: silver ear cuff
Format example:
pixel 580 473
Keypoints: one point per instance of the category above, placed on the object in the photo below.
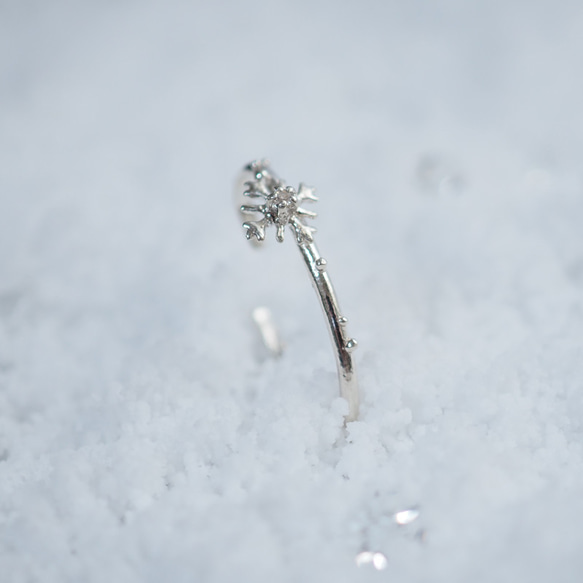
pixel 279 205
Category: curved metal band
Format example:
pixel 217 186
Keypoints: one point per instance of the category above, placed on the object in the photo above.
pixel 336 323
pixel 316 264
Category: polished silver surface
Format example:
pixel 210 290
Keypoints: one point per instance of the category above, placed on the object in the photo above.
pixel 268 201
pixel 263 319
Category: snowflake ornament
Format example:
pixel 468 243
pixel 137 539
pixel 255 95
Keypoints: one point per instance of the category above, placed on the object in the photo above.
pixel 281 206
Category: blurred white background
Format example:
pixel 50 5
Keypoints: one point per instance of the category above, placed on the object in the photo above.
pixel 142 435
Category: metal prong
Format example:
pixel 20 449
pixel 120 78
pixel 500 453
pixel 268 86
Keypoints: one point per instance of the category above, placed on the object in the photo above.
pixel 264 320
pixel 307 193
pixel 255 229
pixel 308 214
pixel 303 232
pixel 280 233
pixel 247 208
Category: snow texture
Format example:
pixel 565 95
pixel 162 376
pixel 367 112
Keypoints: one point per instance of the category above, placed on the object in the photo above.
pixel 145 436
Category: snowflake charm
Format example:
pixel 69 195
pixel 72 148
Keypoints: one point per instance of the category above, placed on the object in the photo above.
pixel 280 206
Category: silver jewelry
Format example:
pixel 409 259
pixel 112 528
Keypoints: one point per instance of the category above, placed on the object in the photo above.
pixel 279 205
pixel 264 321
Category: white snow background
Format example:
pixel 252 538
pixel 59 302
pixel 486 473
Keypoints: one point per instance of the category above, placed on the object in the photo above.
pixel 144 435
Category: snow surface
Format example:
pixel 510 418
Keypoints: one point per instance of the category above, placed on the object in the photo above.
pixel 145 437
